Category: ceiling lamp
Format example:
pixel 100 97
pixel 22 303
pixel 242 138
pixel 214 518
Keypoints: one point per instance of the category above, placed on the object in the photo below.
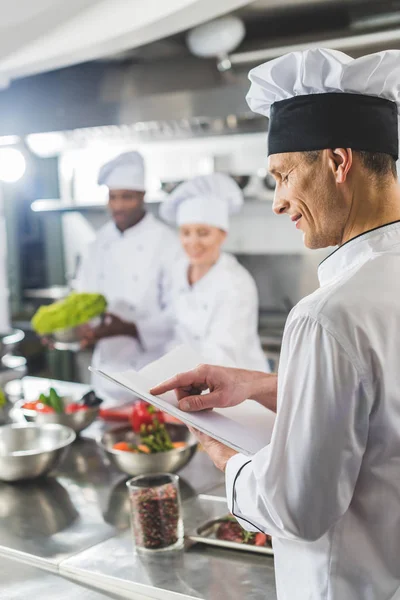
pixel 12 165
pixel 46 145
pixel 216 39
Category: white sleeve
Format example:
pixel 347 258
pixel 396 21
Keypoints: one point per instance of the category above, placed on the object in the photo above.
pixel 303 482
pixel 234 328
pixel 157 329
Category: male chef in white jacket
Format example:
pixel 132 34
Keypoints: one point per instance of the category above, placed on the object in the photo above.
pixel 131 263
pixel 327 487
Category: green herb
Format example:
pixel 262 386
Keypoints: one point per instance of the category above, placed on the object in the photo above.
pixel 248 536
pixel 2 398
pixel 55 401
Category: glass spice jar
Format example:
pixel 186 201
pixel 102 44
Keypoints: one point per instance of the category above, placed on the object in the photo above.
pixel 156 512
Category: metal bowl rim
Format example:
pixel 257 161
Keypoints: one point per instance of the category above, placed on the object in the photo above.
pixel 71 438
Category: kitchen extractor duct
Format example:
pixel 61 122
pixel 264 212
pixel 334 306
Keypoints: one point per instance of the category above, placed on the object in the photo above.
pixel 377 39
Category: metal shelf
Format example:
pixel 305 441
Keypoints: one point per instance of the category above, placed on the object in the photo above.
pixel 57 206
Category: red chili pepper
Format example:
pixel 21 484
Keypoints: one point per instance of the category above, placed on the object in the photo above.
pixel 43 408
pixel 144 414
pixel 74 407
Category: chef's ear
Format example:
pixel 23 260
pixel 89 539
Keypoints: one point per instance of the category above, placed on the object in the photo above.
pixel 340 161
pixel 224 235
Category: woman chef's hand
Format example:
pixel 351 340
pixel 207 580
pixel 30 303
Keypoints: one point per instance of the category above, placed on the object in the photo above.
pixel 218 453
pixel 110 326
pixel 227 387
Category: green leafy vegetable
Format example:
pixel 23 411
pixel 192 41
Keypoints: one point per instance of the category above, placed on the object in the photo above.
pixel 74 310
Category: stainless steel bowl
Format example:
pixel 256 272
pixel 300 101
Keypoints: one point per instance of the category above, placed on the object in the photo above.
pixel 77 421
pixel 142 464
pixel 68 336
pixel 9 340
pixel 28 450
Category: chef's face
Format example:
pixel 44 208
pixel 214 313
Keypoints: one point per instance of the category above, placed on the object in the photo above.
pixel 202 243
pixel 127 207
pixel 308 192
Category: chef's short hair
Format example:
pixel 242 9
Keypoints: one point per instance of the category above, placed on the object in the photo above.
pixel 377 163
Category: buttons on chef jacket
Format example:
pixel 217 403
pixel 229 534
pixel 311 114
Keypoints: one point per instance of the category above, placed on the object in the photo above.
pixel 135 278
pixel 139 248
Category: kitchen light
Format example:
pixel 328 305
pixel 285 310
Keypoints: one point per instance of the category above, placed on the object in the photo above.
pixel 12 165
pixel 216 38
pixel 46 145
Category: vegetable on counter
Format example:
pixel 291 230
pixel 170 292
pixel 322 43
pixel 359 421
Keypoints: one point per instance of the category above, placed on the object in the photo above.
pixel 74 310
pixel 53 403
pixel 231 531
pixel 153 438
pixel 145 414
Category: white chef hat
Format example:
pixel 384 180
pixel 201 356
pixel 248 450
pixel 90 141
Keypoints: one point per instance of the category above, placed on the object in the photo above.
pixel 206 199
pixel 126 172
pixel 322 98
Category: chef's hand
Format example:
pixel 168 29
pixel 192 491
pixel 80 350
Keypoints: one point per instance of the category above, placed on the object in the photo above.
pixel 110 326
pixel 227 388
pixel 218 453
pixel 48 342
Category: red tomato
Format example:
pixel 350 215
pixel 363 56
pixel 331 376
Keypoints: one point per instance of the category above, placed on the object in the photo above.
pixel 30 405
pixel 74 407
pixel 43 408
pixel 261 539
pixel 144 414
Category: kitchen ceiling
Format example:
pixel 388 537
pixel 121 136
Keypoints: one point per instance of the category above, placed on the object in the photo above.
pixel 275 23
pixel 160 90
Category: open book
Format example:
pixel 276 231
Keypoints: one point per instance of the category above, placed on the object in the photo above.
pixel 246 428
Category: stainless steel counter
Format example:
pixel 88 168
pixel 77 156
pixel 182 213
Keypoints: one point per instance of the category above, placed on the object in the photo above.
pixel 197 573
pixel 44 522
pixel 19 582
pixel 73 524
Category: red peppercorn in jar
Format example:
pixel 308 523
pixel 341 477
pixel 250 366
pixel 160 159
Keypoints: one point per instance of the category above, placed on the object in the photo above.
pixel 156 512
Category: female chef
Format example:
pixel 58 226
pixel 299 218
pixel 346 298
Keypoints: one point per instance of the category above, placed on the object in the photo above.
pixel 214 299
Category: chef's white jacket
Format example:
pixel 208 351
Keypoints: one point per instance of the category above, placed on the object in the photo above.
pixel 218 315
pixel 134 272
pixel 327 488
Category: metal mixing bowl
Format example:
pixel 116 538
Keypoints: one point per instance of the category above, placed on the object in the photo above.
pixel 68 336
pixel 77 421
pixel 143 464
pixel 9 340
pixel 28 450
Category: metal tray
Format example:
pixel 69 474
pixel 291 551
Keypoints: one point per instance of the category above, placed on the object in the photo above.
pixel 206 534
